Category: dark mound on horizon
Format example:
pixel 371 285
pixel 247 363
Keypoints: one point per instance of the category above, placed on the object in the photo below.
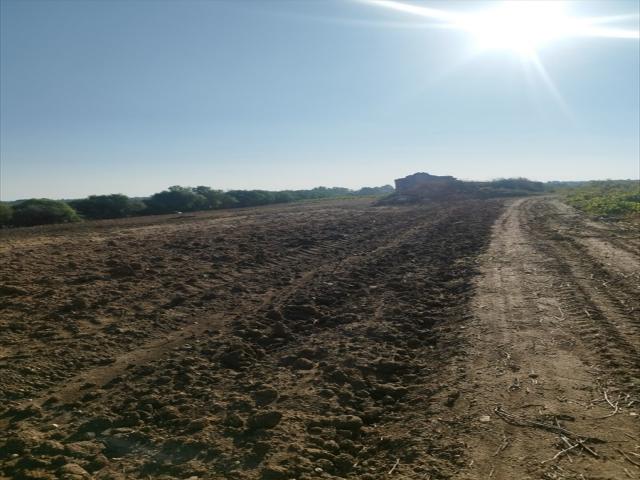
pixel 423 187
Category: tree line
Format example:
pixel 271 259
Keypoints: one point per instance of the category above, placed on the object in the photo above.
pixel 42 211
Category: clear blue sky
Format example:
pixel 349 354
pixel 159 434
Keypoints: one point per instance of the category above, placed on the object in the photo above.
pixel 134 96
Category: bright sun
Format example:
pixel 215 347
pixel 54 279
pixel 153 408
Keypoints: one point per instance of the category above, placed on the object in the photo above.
pixel 522 27
pixel 519 26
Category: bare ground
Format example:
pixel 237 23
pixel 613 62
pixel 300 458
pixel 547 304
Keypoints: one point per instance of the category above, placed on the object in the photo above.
pixel 323 340
pixel 556 326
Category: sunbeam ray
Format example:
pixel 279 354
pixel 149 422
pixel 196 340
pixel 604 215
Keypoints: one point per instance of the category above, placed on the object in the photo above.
pixel 549 83
pixel 414 9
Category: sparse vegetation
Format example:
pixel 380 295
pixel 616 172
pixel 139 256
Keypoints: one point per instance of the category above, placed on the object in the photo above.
pixel 611 198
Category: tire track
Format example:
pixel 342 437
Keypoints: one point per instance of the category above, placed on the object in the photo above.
pixel 534 352
pixel 603 320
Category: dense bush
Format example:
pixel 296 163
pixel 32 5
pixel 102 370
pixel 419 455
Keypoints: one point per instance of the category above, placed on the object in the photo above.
pixel 251 198
pixel 6 212
pixel 517 184
pixel 107 206
pixel 284 197
pixel 503 187
pixel 176 199
pixel 323 192
pixel 384 190
pixel 214 199
pixel 42 211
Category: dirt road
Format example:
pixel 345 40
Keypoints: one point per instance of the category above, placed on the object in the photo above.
pixel 327 340
pixel 556 327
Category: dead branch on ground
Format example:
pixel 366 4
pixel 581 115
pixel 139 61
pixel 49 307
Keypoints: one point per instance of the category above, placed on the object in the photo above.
pixel 565 435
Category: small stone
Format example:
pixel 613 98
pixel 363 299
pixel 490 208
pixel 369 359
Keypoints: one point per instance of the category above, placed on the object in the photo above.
pixel 117 445
pixel 267 419
pixel 197 425
pixel 233 420
pixel 343 462
pixel 347 422
pixel 261 448
pixel 331 445
pixel 337 376
pixel 485 418
pixel 52 399
pixel 265 396
pixel 169 412
pixel 234 358
pixel 97 424
pixel 97 463
pixel 452 398
pixel 129 419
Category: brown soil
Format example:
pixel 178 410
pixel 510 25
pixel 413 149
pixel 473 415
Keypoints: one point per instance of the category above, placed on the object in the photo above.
pixel 556 325
pixel 323 340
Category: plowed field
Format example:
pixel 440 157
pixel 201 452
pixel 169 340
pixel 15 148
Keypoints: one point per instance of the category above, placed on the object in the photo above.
pixel 334 339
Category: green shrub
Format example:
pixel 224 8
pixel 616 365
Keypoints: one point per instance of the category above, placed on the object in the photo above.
pixel 214 199
pixel 251 198
pixel 606 198
pixel 42 211
pixel 107 206
pixel 176 199
pixel 367 191
pixel 522 184
pixel 283 197
pixel 6 212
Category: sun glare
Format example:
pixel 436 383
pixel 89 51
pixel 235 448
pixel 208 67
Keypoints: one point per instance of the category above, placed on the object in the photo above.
pixel 519 26
pixel 522 27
